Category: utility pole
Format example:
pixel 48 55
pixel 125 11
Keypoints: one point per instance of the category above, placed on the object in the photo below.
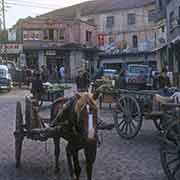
pixel 4 28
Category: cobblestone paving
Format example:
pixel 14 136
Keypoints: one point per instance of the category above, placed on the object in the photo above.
pixel 117 159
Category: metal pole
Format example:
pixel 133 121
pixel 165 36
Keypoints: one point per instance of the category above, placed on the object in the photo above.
pixel 4 28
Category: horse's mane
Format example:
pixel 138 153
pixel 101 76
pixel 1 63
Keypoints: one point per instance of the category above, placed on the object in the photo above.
pixel 66 107
pixel 84 99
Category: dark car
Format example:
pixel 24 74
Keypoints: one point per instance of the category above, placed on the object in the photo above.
pixel 138 76
pixel 5 78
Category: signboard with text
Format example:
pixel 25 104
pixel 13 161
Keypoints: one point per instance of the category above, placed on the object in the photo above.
pixel 32 35
pixel 12 48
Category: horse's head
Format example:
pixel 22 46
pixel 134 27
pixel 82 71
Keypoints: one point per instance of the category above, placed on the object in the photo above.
pixel 86 111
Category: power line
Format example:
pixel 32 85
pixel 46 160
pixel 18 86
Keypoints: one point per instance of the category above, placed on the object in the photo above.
pixel 27 5
pixel 33 3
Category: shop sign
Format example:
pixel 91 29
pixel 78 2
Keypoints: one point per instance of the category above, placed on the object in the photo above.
pixel 32 35
pixel 51 53
pixel 12 48
pixel 11 35
pixel 101 39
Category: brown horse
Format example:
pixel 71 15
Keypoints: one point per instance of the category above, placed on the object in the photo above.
pixel 77 118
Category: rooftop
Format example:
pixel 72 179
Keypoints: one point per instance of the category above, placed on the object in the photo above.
pixel 95 7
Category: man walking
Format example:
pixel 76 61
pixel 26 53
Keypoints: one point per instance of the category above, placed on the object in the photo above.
pixel 62 73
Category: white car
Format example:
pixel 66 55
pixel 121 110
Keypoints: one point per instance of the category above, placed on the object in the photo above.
pixel 5 78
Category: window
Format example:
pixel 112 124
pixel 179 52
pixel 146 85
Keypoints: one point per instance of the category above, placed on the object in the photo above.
pixel 110 21
pixel 160 4
pixel 61 34
pixel 135 41
pixel 171 20
pixel 49 34
pixel 46 35
pixel 151 15
pixel 90 21
pixel 88 36
pixel 131 19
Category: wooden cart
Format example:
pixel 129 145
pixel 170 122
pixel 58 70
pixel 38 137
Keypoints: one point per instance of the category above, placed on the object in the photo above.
pixel 31 126
pixel 170 141
pixel 132 107
pixel 106 92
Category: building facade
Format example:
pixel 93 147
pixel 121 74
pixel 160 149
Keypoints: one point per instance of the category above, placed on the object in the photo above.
pixel 173 33
pixel 57 42
pixel 128 29
pixel 123 27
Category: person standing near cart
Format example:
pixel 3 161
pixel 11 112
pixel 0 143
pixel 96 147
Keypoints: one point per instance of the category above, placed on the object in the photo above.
pixel 37 86
pixel 62 73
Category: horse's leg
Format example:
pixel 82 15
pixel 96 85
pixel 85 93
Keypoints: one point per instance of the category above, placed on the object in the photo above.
pixel 76 164
pixel 90 153
pixel 70 165
pixel 57 153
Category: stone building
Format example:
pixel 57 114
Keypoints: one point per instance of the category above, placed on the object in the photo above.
pixel 123 27
pixel 173 33
pixel 57 42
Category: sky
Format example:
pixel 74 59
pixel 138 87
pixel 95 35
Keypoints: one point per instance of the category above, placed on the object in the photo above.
pixel 14 11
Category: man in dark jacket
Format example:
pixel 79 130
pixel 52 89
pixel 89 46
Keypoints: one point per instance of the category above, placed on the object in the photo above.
pixel 37 86
pixel 82 81
pixel 164 81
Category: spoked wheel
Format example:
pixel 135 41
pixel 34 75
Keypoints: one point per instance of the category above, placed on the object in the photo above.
pixel 128 117
pixel 18 134
pixel 170 151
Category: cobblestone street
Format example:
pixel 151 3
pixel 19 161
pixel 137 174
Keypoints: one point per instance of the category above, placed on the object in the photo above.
pixel 117 159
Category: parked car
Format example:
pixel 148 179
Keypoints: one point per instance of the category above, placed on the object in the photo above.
pixel 138 76
pixel 110 73
pixel 15 72
pixel 5 78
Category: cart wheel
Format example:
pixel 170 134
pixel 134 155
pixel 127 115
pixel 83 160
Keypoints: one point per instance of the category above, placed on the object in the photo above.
pixel 128 117
pixel 158 124
pixel 19 136
pixel 170 151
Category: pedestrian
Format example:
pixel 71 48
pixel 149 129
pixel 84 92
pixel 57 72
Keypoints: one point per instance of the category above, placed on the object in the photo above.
pixel 82 81
pixel 37 86
pixel 62 73
pixel 121 80
pixel 44 74
pixel 164 81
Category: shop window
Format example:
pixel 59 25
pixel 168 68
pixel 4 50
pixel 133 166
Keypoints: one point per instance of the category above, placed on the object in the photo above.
pixel 61 34
pixel 110 21
pixel 88 36
pixel 151 15
pixel 46 35
pixel 131 19
pixel 135 41
pixel 49 34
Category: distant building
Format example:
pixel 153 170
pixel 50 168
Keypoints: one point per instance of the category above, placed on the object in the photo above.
pixel 173 33
pixel 123 26
pixel 57 42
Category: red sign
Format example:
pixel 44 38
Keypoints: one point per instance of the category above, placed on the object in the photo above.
pixel 101 39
